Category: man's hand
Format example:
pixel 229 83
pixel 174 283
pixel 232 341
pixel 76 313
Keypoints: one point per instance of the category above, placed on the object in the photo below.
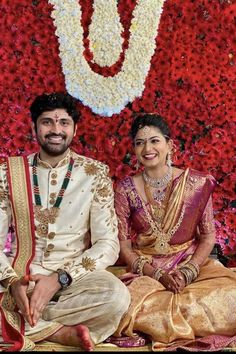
pixel 45 288
pixel 19 292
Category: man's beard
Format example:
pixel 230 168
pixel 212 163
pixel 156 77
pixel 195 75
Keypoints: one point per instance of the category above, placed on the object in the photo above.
pixel 54 149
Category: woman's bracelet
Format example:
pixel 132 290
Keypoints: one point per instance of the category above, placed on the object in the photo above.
pixel 138 264
pixel 190 271
pixel 157 274
pixel 194 266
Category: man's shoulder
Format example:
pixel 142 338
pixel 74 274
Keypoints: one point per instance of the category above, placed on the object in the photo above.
pixel 91 166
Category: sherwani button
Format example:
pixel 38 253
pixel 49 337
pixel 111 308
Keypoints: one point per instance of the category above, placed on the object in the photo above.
pixel 53 195
pixel 51 235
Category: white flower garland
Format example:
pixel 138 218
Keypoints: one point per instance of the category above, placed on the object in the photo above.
pixel 106 95
pixel 105 33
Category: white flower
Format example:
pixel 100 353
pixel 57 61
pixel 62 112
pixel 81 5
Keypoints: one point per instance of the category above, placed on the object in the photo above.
pixel 105 33
pixel 106 95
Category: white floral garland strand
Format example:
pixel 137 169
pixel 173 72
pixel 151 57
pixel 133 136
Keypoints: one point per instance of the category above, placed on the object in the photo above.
pixel 106 95
pixel 105 33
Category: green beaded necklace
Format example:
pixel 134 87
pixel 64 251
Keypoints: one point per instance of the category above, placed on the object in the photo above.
pixel 48 215
pixel 65 183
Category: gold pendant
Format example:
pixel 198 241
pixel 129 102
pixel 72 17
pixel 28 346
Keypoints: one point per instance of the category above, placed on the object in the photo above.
pixel 42 230
pixel 161 245
pixel 46 216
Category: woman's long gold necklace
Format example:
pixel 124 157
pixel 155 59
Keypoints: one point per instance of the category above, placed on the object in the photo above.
pixel 158 200
pixel 48 215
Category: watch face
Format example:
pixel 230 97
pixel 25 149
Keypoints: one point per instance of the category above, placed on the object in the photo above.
pixel 64 279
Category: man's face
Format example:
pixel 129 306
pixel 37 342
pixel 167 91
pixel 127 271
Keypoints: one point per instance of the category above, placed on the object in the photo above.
pixel 55 131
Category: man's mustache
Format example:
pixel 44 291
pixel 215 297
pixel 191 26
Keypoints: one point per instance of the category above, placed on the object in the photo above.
pixel 52 135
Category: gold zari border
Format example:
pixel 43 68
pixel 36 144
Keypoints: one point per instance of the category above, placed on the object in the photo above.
pixel 21 215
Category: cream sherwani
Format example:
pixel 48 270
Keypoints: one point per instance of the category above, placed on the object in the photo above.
pixel 82 240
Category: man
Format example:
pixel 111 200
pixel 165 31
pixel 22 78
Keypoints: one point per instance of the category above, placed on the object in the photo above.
pixel 53 282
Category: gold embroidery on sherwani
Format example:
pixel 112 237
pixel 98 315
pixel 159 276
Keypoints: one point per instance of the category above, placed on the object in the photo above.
pixel 104 192
pixel 61 163
pixel 2 195
pixel 88 263
pixel 91 169
pixel 6 272
pixel 44 217
pixel 79 160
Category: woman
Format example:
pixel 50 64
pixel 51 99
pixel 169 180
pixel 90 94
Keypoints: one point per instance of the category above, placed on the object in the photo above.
pixel 180 297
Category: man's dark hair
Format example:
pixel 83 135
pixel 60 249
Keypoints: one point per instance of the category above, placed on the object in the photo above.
pixel 49 102
pixel 149 119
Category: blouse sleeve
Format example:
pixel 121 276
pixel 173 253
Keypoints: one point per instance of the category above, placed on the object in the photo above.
pixel 123 212
pixel 207 225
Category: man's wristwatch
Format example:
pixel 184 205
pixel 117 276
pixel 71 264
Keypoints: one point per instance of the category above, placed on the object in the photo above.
pixel 64 278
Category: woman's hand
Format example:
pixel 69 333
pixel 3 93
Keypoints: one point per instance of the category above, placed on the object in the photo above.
pixel 173 282
pixel 179 278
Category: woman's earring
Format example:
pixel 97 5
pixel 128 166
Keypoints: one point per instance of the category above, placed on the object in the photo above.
pixel 137 165
pixel 168 159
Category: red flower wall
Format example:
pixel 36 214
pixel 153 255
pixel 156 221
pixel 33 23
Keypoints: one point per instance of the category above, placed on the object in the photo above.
pixel 192 82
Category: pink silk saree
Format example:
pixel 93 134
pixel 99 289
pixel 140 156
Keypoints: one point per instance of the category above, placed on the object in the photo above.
pixel 203 315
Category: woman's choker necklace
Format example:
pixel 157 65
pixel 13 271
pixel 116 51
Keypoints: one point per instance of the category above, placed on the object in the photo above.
pixel 159 183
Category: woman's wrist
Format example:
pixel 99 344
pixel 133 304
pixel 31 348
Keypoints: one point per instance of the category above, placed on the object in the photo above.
pixel 148 270
pixel 158 273
pixel 138 264
pixel 190 271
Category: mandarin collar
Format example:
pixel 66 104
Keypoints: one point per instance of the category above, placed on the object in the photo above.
pixel 61 163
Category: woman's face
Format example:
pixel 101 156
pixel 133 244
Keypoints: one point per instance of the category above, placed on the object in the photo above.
pixel 151 147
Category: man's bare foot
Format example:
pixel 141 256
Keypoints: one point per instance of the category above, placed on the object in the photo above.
pixel 76 336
